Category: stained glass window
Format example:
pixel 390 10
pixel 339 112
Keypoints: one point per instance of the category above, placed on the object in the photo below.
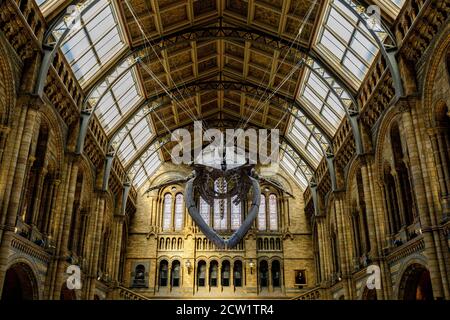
pixel 273 214
pixel 204 211
pixel 236 214
pixel 220 206
pixel 167 212
pixel 262 213
pixel 179 211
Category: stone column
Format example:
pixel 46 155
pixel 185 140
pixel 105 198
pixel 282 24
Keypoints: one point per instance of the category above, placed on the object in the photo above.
pixel 321 243
pixel 431 235
pixel 95 247
pixel 118 225
pixel 373 239
pixel 344 243
pixel 9 161
pixel 38 199
pixel 440 162
pixel 18 169
pixel 63 229
pixel 45 217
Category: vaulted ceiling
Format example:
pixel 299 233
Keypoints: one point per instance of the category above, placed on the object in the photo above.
pixel 149 67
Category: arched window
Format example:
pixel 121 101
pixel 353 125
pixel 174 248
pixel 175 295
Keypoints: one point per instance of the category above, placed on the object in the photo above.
pixel 167 243
pixel 404 183
pixel 167 213
pixel 278 244
pixel 260 244
pixel 179 212
pixel 201 273
pixel 276 274
pixel 262 213
pixel 204 211
pixel 225 276
pixel 236 214
pixel 273 213
pixel 237 272
pixel 263 274
pixel 220 206
pixel 391 201
pixel 213 272
pixel 335 252
pixel 174 243
pixel 163 273
pixel 175 274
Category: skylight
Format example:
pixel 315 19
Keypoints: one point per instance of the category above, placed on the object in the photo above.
pixel 146 167
pixel 345 41
pixel 291 167
pixel 138 135
pixel 93 45
pixel 317 96
pixel 304 139
pixel 295 166
pixel 117 99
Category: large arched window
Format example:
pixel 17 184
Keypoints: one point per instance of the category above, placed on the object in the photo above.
pixel 213 273
pixel 263 274
pixel 335 252
pixel 262 213
pixel 179 212
pixel 391 201
pixel 204 211
pixel 273 213
pixel 403 179
pixel 276 274
pixel 236 214
pixel 237 273
pixel 163 273
pixel 201 273
pixel 175 274
pixel 220 206
pixel 225 275
pixel 167 212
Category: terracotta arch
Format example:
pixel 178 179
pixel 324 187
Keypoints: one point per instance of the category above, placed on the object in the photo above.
pixel 7 85
pixel 20 283
pixel 415 283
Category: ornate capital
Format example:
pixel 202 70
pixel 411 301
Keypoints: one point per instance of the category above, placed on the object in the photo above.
pixel 31 101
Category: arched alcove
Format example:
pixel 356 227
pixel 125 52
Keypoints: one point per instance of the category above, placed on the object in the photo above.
pixel 415 284
pixel 20 283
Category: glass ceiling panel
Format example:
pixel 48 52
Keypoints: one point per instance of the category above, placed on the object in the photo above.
pixel 117 99
pixel 317 96
pixel 93 45
pixel 295 166
pixel 304 139
pixel 139 134
pixel 147 169
pixel 290 166
pixel 346 42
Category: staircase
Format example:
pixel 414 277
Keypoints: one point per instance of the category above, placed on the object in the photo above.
pixel 313 294
pixel 127 294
